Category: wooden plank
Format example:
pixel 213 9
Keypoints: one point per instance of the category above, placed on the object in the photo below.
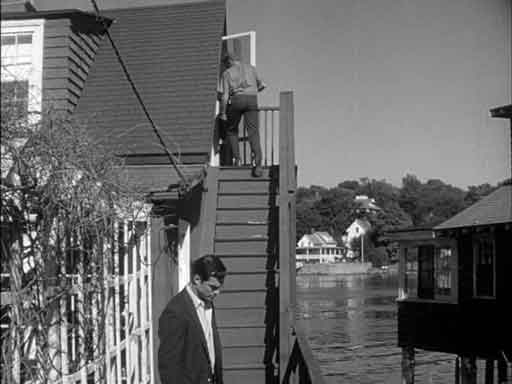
pixel 249 299
pixel 285 123
pixel 245 201
pixel 240 316
pixel 248 281
pixel 208 211
pixel 246 376
pixel 253 186
pixel 242 336
pixel 241 231
pixel 243 216
pixel 243 355
pixel 257 263
pixel 241 247
pixel 234 173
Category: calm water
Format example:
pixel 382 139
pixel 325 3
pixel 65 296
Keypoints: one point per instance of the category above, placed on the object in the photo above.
pixel 351 323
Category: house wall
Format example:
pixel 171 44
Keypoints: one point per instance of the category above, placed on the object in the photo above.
pixel 473 326
pixel 69 49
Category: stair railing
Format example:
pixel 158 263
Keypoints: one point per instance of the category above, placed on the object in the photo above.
pixel 302 366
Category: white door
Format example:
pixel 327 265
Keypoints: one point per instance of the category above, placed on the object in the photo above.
pixel 242 45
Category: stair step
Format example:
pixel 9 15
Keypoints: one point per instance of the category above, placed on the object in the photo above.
pixel 249 281
pixel 241 231
pixel 251 263
pixel 240 316
pixel 249 354
pixel 246 374
pixel 240 337
pixel 246 186
pixel 243 215
pixel 245 201
pixel 241 299
pixel 241 246
pixel 237 173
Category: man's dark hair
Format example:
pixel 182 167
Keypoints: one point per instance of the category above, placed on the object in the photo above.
pixel 209 266
pixel 229 56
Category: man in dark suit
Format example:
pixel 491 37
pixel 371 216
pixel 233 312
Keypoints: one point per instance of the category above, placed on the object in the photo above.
pixel 190 351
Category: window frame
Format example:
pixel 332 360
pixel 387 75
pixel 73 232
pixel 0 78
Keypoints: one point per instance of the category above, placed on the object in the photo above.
pixel 18 72
pixel 408 293
pixel 476 238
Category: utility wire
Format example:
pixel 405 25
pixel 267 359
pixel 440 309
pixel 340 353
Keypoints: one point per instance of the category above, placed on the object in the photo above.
pixel 171 157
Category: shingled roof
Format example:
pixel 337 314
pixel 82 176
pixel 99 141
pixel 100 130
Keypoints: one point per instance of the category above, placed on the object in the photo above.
pixel 495 208
pixel 172 53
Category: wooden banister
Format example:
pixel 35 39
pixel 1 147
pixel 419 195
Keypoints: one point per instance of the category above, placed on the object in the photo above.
pixel 302 366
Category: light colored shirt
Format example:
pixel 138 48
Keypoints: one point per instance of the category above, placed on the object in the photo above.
pixel 205 318
pixel 240 78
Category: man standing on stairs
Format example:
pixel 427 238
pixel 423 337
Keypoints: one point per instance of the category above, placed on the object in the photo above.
pixel 239 87
pixel 190 350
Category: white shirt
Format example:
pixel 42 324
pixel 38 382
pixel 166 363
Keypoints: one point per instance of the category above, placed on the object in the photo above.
pixel 205 318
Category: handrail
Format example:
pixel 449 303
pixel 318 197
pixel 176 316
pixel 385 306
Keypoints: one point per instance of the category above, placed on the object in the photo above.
pixel 269 137
pixel 303 367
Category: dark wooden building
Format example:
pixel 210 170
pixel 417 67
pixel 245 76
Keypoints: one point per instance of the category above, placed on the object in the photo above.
pixel 455 288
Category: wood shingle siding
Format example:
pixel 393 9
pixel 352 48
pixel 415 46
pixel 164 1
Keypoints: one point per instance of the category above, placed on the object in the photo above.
pixel 70 46
pixel 172 53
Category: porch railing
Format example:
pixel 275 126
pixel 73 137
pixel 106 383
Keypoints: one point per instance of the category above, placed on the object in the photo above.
pixel 302 366
pixel 269 137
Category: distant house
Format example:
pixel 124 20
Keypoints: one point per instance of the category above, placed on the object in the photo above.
pixel 366 205
pixel 318 247
pixel 358 228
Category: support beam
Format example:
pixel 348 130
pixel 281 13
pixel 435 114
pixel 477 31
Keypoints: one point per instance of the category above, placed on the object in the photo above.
pixel 502 371
pixel 408 364
pixel 468 370
pixel 489 371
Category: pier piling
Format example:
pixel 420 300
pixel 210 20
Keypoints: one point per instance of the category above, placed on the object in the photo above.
pixel 468 370
pixel 408 365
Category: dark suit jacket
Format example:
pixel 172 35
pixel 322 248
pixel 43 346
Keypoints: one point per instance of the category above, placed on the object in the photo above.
pixel 183 354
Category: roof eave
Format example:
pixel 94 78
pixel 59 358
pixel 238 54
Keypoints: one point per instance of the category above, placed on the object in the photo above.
pixel 58 14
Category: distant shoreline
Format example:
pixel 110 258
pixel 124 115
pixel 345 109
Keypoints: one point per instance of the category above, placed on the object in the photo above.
pixel 344 269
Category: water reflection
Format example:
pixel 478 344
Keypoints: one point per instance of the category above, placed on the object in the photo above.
pixel 352 327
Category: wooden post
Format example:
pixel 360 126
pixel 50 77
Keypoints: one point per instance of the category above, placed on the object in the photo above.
pixel 457 370
pixel 286 191
pixel 468 370
pixel 489 371
pixel 502 371
pixel 408 364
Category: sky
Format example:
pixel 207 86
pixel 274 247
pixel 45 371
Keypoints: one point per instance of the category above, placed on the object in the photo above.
pixel 383 88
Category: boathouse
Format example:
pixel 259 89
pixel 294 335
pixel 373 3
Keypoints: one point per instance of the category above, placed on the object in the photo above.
pixel 172 54
pixel 455 289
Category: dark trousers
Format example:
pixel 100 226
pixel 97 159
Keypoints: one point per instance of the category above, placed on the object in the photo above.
pixel 246 106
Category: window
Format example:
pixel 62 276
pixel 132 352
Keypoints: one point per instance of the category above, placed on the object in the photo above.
pixel 22 66
pixel 429 271
pixel 484 266
pixel 411 272
pixel 426 272
pixel 443 275
pixel 15 98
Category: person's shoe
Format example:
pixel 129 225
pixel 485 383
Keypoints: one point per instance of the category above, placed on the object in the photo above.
pixel 257 171
pixel 237 162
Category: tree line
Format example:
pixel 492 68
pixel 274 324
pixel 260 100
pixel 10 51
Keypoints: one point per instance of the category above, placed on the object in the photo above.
pixel 413 204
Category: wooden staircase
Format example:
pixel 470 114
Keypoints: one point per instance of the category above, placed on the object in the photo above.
pixel 246 240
